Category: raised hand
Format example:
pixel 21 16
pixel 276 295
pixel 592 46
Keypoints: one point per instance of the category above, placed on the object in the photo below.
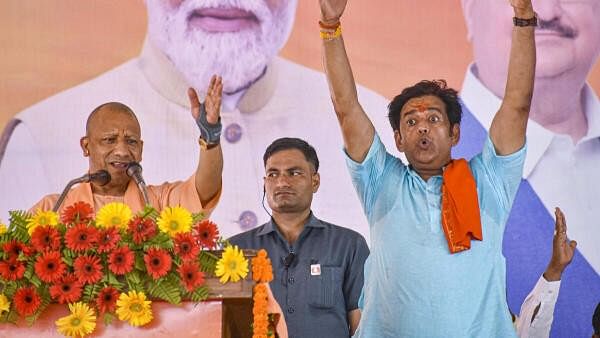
pixel 331 10
pixel 523 8
pixel 212 102
pixel 562 249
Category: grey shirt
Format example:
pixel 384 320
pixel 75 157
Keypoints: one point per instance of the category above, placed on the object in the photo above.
pixel 318 279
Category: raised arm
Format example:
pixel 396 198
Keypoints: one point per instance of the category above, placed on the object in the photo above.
pixel 357 129
pixel 210 165
pixel 508 127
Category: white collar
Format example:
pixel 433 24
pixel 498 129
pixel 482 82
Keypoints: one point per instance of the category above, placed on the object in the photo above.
pixel 483 104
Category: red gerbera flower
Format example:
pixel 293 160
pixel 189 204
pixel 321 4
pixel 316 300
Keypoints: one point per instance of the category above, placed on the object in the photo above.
pixel 158 262
pixel 79 212
pixel 121 260
pixel 12 269
pixel 207 233
pixel 142 229
pixel 191 276
pixel 108 239
pixel 45 238
pixel 14 248
pixel 49 266
pixel 81 237
pixel 67 290
pixel 88 269
pixel 186 246
pixel 27 301
pixel 107 299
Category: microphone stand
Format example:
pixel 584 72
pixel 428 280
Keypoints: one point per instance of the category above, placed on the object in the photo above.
pixel 102 176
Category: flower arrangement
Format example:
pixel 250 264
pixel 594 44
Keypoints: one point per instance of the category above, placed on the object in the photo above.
pixel 107 267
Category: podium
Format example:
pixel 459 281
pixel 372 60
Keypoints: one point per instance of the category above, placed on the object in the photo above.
pixel 227 313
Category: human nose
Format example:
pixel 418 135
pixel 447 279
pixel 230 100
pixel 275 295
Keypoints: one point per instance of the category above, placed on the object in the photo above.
pixel 121 148
pixel 548 10
pixel 423 128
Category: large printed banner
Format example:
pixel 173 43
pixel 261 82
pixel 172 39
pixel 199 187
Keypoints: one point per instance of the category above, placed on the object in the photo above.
pixel 60 59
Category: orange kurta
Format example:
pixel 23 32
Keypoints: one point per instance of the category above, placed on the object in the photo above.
pixel 180 193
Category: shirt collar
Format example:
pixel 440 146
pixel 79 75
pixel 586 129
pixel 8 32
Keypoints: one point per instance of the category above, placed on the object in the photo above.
pixel 270 226
pixel 170 83
pixel 483 104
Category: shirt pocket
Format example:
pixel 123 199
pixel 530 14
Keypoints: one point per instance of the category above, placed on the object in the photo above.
pixel 325 290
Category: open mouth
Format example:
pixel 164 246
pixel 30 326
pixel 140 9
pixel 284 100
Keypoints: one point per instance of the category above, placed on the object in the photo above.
pixel 219 20
pixel 424 143
pixel 119 165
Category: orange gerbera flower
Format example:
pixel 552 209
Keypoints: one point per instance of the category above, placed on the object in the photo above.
pixel 107 299
pixel 88 269
pixel 67 290
pixel 142 229
pixel 207 233
pixel 27 301
pixel 121 260
pixel 191 276
pixel 186 246
pixel 12 269
pixel 49 266
pixel 79 212
pixel 81 237
pixel 45 238
pixel 158 262
pixel 108 239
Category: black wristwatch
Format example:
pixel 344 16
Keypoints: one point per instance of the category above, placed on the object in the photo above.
pixel 519 22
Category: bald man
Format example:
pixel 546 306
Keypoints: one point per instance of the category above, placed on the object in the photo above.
pixel 113 141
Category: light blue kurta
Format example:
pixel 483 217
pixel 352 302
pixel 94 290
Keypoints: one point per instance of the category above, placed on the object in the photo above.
pixel 413 286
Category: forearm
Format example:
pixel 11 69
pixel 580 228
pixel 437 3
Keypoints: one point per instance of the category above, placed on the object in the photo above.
pixel 209 174
pixel 509 126
pixel 356 127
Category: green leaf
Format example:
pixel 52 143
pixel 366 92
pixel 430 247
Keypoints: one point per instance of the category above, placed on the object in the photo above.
pixel 134 281
pixel 108 318
pixel 166 289
pixel 160 240
pixel 68 256
pixel 90 292
pixel 149 212
pixel 199 294
pixel 197 217
pixel 110 279
pixel 18 225
pixel 208 262
pixel 10 317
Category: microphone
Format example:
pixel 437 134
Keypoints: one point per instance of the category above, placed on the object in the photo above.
pixel 101 177
pixel 263 202
pixel 289 259
pixel 134 170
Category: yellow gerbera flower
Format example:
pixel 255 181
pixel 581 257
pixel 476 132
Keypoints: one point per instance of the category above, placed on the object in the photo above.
pixel 114 214
pixel 134 308
pixel 4 303
pixel 174 220
pixel 3 228
pixel 232 265
pixel 42 218
pixel 81 321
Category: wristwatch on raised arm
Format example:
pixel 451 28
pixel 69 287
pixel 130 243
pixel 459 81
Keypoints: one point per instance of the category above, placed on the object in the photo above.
pixel 520 22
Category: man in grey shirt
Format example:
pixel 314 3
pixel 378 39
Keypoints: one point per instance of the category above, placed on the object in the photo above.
pixel 318 266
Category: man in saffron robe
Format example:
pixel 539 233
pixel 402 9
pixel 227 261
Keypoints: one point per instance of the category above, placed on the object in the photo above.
pixel 113 140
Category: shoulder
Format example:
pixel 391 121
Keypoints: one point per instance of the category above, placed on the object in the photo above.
pixel 343 234
pixel 247 239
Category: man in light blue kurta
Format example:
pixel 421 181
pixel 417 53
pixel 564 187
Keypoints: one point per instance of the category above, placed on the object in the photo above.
pixel 412 277
pixel 434 274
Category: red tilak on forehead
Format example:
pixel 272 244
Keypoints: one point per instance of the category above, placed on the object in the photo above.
pixel 421 107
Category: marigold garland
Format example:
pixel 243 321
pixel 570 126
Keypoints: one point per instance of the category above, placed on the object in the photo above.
pixel 262 273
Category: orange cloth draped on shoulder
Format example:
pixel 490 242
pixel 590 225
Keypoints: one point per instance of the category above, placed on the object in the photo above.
pixel 180 193
pixel 461 219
